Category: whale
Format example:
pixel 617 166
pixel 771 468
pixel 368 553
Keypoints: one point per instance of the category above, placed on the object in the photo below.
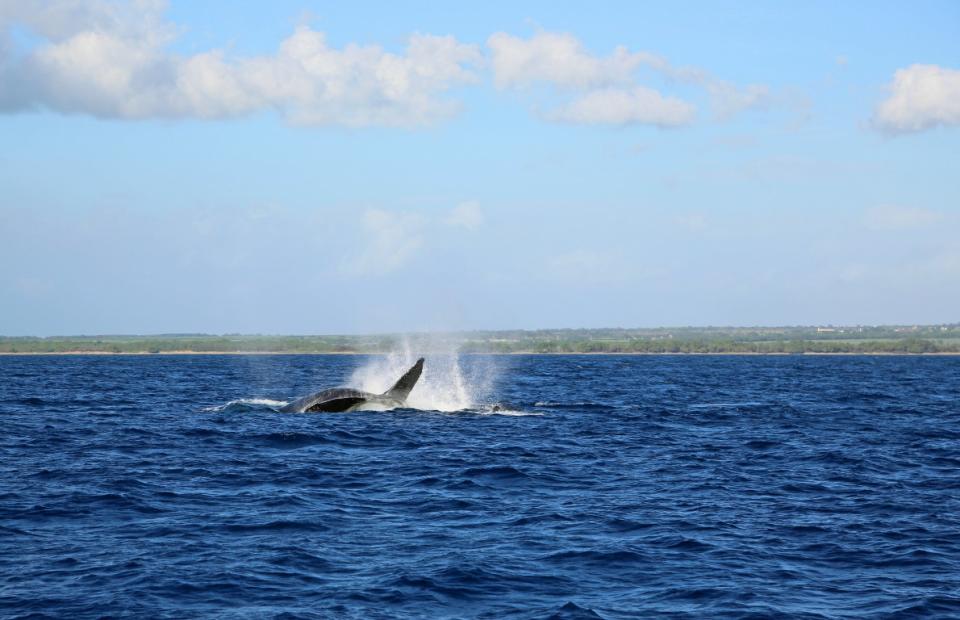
pixel 336 400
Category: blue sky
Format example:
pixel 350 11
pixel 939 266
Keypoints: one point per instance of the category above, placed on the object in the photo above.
pixel 298 167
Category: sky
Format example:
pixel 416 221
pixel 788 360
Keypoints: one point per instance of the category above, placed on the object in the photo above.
pixel 320 167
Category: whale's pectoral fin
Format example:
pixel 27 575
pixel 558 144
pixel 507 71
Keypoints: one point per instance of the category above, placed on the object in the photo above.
pixel 402 387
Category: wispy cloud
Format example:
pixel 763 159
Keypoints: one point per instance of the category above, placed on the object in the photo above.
pixel 895 217
pixel 727 99
pixel 637 105
pixel 388 242
pixel 693 222
pixel 391 240
pixel 593 267
pixel 466 215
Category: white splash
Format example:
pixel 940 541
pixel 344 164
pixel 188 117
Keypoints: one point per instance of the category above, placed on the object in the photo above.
pixel 508 412
pixel 248 402
pixel 443 386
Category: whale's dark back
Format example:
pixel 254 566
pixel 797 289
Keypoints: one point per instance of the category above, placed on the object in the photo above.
pixel 333 400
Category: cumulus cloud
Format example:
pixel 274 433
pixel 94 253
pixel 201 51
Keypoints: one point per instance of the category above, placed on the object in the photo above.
pixel 114 59
pixel 921 97
pixel 61 19
pixel 608 86
pixel 111 60
pixel 726 98
pixel 557 58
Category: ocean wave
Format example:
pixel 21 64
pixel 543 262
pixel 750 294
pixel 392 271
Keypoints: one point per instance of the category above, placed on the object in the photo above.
pixel 248 404
pixel 291 440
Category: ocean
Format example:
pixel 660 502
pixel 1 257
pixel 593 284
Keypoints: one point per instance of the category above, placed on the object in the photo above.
pixel 513 487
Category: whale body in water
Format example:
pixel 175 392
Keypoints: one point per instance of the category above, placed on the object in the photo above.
pixel 349 399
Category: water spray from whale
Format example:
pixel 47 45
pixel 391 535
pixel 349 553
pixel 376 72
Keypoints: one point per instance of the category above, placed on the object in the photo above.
pixel 349 399
pixel 446 385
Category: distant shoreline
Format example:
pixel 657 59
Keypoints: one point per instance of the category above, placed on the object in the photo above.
pixel 799 340
pixel 510 353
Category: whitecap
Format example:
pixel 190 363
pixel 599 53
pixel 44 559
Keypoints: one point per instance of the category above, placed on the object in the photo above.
pixel 248 403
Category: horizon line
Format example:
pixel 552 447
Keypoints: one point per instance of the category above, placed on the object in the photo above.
pixel 837 326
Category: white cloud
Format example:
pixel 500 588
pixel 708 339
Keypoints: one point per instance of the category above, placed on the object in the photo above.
pixel 556 58
pixel 61 19
pixel 624 107
pixel 726 98
pixel 467 215
pixel 921 97
pixel 606 86
pixel 111 60
pixel 610 87
pixel 363 85
pixel 893 217
pixel 114 60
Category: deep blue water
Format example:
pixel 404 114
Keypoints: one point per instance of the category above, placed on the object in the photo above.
pixel 676 487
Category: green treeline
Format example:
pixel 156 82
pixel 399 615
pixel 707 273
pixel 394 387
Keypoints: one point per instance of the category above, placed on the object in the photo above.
pixel 906 345
pixel 755 340
pixel 199 344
